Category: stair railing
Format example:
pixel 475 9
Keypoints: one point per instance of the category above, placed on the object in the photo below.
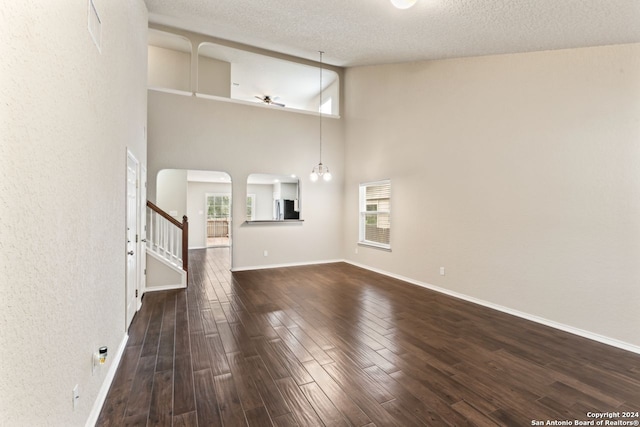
pixel 168 237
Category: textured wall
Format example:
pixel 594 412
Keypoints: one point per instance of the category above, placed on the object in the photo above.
pixel 68 112
pixel 517 173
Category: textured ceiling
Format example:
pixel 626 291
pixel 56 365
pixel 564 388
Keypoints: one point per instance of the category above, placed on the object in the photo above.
pixel 364 32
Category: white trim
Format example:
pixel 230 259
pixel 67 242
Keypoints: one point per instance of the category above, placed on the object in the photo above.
pixel 533 318
pixel 166 287
pixel 104 389
pixel 374 245
pixel 206 215
pixel 173 91
pixel 239 101
pixel 293 264
pixel 137 243
pixel 363 212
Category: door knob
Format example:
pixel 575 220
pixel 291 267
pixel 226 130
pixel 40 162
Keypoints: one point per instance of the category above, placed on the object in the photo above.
pixel 130 252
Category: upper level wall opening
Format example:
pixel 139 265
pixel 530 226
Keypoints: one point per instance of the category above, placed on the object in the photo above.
pixel 237 74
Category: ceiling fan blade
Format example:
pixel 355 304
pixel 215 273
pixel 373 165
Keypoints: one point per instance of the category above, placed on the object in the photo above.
pixel 269 100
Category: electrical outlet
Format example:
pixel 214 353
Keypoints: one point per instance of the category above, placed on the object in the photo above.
pixel 75 396
pixel 266 253
pixel 442 271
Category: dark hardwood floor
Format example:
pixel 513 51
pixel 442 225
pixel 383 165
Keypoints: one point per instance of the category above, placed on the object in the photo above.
pixel 337 345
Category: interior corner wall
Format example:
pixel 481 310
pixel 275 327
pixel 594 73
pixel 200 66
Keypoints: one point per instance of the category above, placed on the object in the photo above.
pixel 517 173
pixel 168 68
pixel 68 114
pixel 187 132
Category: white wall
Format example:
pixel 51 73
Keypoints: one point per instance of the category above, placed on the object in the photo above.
pixel 214 77
pixel 171 196
pixel 517 173
pixel 194 133
pixel 196 209
pixel 263 201
pixel 163 276
pixel 288 191
pixel 168 68
pixel 68 114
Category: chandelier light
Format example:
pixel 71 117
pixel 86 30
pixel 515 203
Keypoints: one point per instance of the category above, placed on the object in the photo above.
pixel 403 4
pixel 320 170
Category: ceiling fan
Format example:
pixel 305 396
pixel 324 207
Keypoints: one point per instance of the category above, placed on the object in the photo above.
pixel 270 101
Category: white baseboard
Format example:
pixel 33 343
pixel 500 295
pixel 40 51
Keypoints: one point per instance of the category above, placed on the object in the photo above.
pixel 104 389
pixel 556 325
pixel 293 264
pixel 165 287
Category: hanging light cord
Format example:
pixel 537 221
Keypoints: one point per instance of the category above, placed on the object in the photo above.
pixel 320 109
pixel 320 170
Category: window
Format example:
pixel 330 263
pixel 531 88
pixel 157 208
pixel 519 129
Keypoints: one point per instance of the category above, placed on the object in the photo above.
pixel 218 206
pixel 375 214
pixel 251 202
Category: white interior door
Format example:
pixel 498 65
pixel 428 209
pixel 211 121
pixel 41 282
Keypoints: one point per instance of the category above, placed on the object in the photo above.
pixel 132 238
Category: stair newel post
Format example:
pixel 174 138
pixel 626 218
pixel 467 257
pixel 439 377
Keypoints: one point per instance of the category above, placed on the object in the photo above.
pixel 185 242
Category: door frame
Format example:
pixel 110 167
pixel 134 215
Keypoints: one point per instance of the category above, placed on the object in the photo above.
pixel 206 217
pixel 132 241
pixel 142 231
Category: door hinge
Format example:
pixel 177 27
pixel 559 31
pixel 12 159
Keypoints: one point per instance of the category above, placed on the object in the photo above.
pixel 145 271
pixel 136 293
pixel 136 238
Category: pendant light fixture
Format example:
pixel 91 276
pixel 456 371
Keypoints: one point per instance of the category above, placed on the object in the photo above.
pixel 320 170
pixel 403 4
